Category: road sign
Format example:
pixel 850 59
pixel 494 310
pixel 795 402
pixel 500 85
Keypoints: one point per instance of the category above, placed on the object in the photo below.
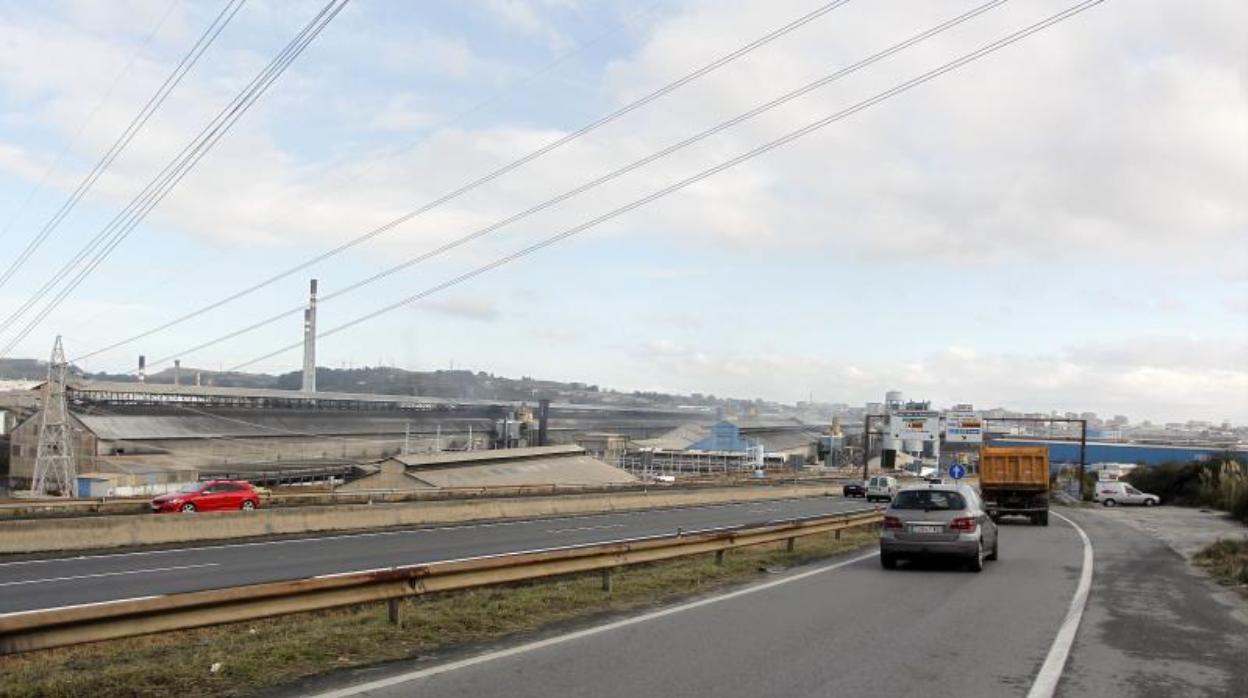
pixel 957 471
pixel 963 427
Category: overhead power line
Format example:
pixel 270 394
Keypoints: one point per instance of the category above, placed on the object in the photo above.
pixel 69 144
pixel 116 231
pixel 767 147
pixel 450 196
pixel 136 124
pixel 493 227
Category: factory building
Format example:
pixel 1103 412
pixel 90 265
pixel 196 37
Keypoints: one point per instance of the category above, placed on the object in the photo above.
pixel 155 433
pixel 1062 452
pixel 513 467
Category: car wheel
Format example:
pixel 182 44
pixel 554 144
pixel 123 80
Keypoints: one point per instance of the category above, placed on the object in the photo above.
pixel 249 505
pixel 976 563
pixel 996 545
pixel 887 561
pixel 1150 502
pixel 1109 502
pixel 188 508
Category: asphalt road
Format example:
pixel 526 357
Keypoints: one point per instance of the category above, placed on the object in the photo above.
pixel 50 583
pixel 1152 628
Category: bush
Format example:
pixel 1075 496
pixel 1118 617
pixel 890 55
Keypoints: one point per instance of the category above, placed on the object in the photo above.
pixel 1220 483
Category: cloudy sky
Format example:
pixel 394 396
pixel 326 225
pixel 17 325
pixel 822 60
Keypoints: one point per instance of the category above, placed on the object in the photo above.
pixel 1061 225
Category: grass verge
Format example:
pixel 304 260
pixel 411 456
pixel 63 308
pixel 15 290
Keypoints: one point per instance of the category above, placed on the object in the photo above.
pixel 242 658
pixel 1227 562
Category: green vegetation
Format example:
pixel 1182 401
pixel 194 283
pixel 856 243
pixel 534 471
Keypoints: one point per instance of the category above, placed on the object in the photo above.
pixel 1219 483
pixel 1227 561
pixel 255 655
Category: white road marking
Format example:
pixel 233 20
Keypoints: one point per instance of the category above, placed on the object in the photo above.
pixel 108 574
pixel 1050 673
pixel 407 531
pixel 10 614
pixel 584 528
pixel 540 644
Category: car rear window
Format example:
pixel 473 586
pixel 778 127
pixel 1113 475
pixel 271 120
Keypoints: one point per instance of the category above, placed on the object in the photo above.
pixel 929 500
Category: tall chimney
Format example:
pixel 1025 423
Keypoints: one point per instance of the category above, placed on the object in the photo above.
pixel 177 371
pixel 142 368
pixel 543 421
pixel 309 341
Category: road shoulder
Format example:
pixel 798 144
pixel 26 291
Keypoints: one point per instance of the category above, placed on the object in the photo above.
pixel 1155 625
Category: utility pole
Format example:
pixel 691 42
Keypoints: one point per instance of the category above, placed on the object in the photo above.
pixel 407 438
pixel 54 462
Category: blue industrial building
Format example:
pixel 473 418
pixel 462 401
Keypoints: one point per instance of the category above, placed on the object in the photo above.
pixel 1067 452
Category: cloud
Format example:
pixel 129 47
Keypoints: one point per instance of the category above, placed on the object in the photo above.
pixel 461 307
pixel 1145 377
pixel 1062 146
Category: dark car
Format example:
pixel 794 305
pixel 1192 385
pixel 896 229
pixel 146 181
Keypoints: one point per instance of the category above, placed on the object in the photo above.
pixel 854 489
pixel 211 495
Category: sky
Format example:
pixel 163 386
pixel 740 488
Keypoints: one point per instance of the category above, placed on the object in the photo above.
pixel 1060 225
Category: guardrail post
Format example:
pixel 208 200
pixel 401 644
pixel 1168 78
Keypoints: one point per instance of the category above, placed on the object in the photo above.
pixel 719 557
pixel 789 547
pixel 608 579
pixel 392 611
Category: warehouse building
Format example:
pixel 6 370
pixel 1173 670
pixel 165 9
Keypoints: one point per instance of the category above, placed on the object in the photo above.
pixel 155 433
pixel 511 467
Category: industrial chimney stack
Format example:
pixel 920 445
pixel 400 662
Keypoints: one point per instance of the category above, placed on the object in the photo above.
pixel 309 342
pixel 142 368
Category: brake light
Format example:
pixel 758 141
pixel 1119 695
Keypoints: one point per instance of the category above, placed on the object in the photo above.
pixel 892 522
pixel 966 523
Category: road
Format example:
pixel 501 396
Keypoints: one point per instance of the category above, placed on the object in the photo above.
pixel 1152 627
pixel 56 582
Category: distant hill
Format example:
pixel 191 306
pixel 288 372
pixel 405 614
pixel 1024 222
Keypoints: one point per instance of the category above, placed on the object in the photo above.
pixel 396 381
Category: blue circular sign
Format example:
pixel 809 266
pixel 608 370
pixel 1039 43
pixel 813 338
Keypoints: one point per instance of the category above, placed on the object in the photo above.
pixel 957 471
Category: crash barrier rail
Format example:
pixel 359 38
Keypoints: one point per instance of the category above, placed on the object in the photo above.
pixel 24 631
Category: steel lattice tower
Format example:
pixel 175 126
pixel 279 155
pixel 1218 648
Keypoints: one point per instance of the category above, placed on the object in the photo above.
pixel 54 464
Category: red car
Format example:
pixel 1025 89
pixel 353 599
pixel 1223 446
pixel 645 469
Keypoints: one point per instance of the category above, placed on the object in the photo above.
pixel 211 495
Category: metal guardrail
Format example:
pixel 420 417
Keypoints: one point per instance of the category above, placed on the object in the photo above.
pixel 24 631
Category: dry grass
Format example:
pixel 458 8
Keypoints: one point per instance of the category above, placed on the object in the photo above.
pixel 267 653
pixel 1227 562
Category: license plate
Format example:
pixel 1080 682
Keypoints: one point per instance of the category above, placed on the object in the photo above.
pixel 926 529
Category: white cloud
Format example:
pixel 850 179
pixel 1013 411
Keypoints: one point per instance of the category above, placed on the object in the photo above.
pixel 1146 377
pixel 458 306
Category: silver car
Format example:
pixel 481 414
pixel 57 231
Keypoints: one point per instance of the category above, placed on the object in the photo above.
pixel 945 520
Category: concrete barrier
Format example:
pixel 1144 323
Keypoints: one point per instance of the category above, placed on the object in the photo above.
pixel 96 532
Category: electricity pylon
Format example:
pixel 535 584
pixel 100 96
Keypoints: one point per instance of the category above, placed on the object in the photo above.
pixel 54 463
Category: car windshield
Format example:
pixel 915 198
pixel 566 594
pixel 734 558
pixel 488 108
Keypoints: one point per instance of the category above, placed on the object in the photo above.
pixel 929 500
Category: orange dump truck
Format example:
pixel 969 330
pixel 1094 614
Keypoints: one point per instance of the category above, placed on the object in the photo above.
pixel 1014 481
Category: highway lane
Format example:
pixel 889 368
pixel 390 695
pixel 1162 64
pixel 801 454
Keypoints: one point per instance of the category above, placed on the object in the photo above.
pixel 1153 627
pixel 49 583
pixel 852 630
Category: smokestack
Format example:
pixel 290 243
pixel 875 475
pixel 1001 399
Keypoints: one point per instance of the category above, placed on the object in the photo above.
pixel 177 371
pixel 142 368
pixel 543 419
pixel 309 341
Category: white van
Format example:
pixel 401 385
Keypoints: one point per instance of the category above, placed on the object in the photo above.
pixel 882 488
pixel 1118 492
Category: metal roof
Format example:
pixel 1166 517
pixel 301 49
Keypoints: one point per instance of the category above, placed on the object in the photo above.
pixel 194 393
pixel 202 425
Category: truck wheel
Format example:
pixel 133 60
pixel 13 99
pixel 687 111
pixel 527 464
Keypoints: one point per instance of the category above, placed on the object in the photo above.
pixel 1043 518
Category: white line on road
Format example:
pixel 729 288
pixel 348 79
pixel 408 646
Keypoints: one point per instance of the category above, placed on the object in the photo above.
pixel 367 534
pixel 1050 673
pixel 584 528
pixel 109 574
pixel 540 644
